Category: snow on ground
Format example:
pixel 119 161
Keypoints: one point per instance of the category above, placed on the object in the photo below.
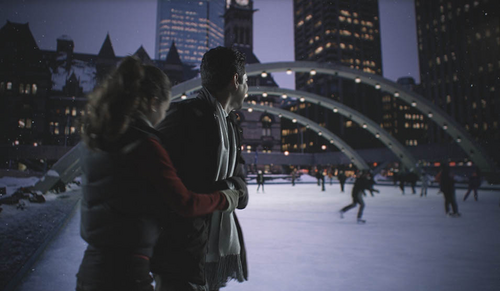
pixel 296 240
pixel 13 183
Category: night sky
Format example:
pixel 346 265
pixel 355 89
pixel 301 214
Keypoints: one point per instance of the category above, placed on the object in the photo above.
pixel 131 23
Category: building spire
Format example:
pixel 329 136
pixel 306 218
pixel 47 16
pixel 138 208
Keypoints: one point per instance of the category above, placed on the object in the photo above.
pixel 107 48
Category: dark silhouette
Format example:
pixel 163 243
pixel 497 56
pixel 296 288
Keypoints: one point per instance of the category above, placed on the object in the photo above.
pixel 362 183
pixel 425 183
pixel 342 178
pixel 474 183
pixel 412 178
pixel 260 181
pixel 294 176
pixel 447 187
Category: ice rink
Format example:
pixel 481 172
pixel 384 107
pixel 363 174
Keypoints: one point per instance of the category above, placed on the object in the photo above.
pixel 296 240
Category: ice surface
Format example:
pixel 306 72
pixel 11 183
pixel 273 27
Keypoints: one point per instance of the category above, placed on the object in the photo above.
pixel 295 240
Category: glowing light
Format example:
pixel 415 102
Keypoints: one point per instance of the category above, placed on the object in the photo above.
pixel 377 135
pixel 377 86
pixel 335 109
pixel 323 147
pixel 302 99
pixel 16 142
pixel 263 74
pixel 250 109
pixel 459 139
pixel 284 96
pixel 35 144
pixel 264 94
pixel 183 96
pixel 331 141
pixel 312 72
pixel 294 120
pixel 357 80
pixel 289 72
pixel 364 125
pixel 279 115
pixel 286 153
pixel 429 115
pixel 414 104
pixel 396 94
pixel 320 133
pixel 445 126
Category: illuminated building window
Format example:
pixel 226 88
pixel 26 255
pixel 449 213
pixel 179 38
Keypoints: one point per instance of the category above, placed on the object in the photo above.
pixel 56 127
pixel 311 144
pixel 318 23
pixel 478 36
pixel 318 50
pixel 72 130
pixel 34 89
pixel 485 126
pixel 21 88
pixel 355 21
pixel 341 18
pixel 21 123
pixel 448 99
pixel 67 111
pixel 355 14
pixel 438 60
pixel 27 89
pixel 348 123
pixel 28 123
pixel 308 17
pixel 300 23
pixel 345 13
pixel 73 112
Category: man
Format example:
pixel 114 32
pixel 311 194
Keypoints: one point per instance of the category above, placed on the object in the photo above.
pixel 361 184
pixel 203 140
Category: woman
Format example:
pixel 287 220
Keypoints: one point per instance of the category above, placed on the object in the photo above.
pixel 130 186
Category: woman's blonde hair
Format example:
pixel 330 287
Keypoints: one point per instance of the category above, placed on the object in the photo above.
pixel 113 105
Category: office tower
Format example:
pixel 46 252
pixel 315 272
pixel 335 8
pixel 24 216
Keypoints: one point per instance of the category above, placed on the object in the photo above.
pixel 459 56
pixel 194 27
pixel 341 32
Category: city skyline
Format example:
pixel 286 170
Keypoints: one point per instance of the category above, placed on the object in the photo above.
pixel 132 24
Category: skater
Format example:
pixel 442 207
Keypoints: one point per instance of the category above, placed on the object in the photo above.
pixel 130 185
pixel 294 176
pixel 342 178
pixel 318 175
pixel 260 181
pixel 412 179
pixel 447 187
pixel 401 178
pixel 330 175
pixel 474 183
pixel 425 183
pixel 362 183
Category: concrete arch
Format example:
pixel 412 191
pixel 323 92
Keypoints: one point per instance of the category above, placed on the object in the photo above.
pixel 333 139
pixel 388 140
pixel 462 137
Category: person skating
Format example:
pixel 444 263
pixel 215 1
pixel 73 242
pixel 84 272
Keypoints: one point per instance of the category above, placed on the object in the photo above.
pixel 362 183
pixel 260 181
pixel 474 183
pixel 447 187
pixel 294 176
pixel 425 184
pixel 342 178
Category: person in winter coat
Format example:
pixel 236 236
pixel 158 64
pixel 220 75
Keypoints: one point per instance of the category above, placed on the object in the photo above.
pixel 361 184
pixel 447 187
pixel 474 183
pixel 206 252
pixel 260 180
pixel 425 183
pixel 130 186
pixel 294 176
pixel 342 178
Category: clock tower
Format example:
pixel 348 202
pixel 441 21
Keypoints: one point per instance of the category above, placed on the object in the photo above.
pixel 238 24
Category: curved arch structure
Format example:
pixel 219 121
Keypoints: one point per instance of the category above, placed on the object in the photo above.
pixel 334 139
pixel 455 130
pixel 393 144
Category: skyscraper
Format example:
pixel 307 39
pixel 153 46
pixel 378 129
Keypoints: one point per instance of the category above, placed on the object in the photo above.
pixel 194 27
pixel 341 32
pixel 459 56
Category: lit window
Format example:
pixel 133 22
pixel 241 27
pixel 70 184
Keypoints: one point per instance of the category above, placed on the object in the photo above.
pixel 342 46
pixel 348 123
pixel 56 127
pixel 27 89
pixel 28 123
pixel 72 130
pixel 67 111
pixel 73 112
pixel 21 123
pixel 21 88
pixel 300 23
pixel 318 50
pixel 34 89
pixel 308 17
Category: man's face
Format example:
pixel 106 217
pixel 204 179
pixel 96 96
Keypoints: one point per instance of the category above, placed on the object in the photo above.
pixel 239 96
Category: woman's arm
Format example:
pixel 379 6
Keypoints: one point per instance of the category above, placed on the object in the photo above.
pixel 155 166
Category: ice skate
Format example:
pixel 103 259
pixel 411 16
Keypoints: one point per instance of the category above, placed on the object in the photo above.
pixel 361 221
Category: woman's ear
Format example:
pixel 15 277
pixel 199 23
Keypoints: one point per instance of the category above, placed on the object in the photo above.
pixel 236 80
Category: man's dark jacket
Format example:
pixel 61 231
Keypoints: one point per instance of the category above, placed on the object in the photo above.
pixel 191 137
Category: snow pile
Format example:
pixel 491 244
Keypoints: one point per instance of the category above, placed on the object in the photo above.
pixel 12 183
